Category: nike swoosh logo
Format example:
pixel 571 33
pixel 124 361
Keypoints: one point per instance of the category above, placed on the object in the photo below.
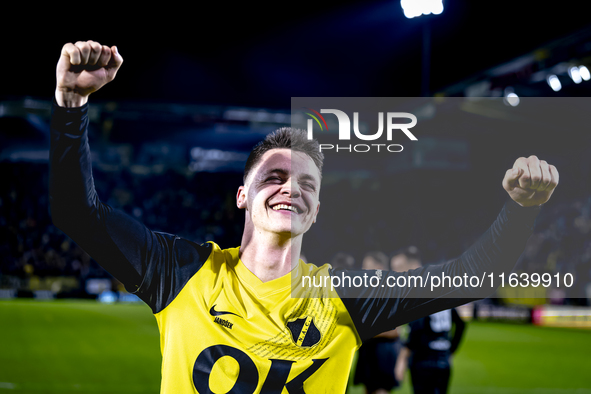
pixel 213 312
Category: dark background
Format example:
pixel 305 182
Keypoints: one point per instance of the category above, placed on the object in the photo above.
pixel 261 54
pixel 185 66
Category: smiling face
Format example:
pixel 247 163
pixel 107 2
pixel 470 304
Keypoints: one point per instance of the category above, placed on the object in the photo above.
pixel 281 194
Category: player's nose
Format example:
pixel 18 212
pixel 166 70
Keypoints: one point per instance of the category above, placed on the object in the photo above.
pixel 291 189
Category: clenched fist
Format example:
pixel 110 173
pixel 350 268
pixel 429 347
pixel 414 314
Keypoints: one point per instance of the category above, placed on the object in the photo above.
pixel 83 68
pixel 531 181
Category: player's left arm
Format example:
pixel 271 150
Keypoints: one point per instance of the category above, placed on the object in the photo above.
pixel 529 183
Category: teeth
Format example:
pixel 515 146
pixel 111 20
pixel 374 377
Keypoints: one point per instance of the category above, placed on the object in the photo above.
pixel 283 206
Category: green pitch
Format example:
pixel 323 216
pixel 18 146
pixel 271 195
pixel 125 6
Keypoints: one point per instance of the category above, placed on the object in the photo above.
pixel 78 347
pixel 87 347
pixel 517 359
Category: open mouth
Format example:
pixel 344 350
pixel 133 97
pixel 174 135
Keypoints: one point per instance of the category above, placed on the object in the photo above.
pixel 284 207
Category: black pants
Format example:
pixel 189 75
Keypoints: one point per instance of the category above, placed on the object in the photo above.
pixel 375 365
pixel 429 380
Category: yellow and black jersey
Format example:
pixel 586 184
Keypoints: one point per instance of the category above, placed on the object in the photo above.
pixel 226 331
pixel 222 330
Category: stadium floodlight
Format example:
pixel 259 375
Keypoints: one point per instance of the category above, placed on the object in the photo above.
pixel 584 73
pixel 554 83
pixel 415 8
pixel 512 99
pixel 575 74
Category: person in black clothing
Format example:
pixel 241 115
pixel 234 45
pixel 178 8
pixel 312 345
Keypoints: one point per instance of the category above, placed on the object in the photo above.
pixel 428 351
pixel 432 341
pixel 377 357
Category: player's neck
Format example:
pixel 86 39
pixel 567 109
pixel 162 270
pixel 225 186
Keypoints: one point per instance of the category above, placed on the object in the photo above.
pixel 269 258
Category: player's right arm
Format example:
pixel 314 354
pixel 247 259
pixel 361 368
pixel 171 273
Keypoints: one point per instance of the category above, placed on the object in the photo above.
pixel 460 327
pixel 82 69
pixel 145 262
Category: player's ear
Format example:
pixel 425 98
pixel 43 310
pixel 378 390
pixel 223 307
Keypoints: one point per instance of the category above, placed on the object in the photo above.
pixel 316 213
pixel 241 197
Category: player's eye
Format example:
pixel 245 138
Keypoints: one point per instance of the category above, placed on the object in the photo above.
pixel 309 186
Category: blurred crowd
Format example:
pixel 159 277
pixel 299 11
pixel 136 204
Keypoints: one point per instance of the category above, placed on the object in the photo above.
pixel 201 206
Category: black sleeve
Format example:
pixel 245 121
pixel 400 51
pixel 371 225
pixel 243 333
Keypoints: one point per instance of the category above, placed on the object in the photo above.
pixel 382 307
pixel 153 265
pixel 459 327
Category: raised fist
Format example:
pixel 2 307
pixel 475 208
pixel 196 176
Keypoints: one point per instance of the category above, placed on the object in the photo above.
pixel 83 68
pixel 531 181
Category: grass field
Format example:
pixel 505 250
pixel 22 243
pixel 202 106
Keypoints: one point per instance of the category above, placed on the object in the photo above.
pixel 87 347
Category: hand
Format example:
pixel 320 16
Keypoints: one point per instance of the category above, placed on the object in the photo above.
pixel 83 68
pixel 531 181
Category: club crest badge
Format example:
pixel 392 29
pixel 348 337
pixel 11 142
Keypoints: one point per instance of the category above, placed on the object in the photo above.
pixel 304 332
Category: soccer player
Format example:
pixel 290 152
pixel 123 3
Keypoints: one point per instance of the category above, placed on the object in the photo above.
pixel 432 341
pixel 377 357
pixel 428 351
pixel 227 319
